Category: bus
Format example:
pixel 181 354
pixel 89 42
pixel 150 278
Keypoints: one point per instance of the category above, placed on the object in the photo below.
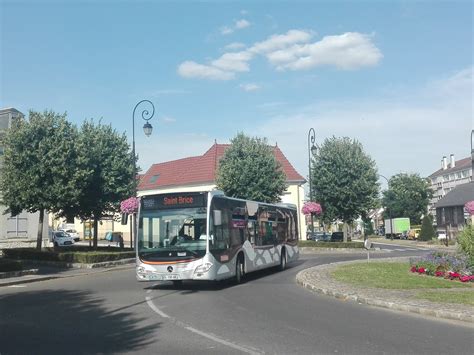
pixel 209 236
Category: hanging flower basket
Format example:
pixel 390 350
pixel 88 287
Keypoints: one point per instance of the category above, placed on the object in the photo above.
pixel 469 206
pixel 312 208
pixel 130 205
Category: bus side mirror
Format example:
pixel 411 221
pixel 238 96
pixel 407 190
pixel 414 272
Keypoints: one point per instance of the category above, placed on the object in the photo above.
pixel 217 216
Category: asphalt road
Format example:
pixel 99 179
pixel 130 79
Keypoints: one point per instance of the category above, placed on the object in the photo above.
pixel 110 313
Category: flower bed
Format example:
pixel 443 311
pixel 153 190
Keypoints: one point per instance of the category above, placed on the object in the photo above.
pixel 446 265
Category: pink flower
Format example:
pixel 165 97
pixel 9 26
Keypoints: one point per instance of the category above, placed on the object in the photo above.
pixel 469 206
pixel 312 208
pixel 130 205
pixel 421 270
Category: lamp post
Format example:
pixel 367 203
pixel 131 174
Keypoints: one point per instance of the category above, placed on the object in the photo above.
pixel 312 150
pixel 147 129
pixel 389 213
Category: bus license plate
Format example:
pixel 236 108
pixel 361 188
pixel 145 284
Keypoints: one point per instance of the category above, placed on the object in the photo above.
pixel 172 277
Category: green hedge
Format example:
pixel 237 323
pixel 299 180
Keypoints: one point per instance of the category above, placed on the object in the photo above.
pixel 9 265
pixel 310 243
pixel 80 256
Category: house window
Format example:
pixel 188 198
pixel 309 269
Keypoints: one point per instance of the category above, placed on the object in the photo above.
pixel 446 177
pixel 154 178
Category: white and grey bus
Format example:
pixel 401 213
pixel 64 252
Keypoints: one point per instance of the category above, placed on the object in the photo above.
pixel 209 236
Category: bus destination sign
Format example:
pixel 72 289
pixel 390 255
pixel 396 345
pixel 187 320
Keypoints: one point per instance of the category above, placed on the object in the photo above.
pixel 177 200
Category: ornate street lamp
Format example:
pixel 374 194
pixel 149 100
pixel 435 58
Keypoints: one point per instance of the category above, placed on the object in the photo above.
pixel 312 151
pixel 147 129
pixel 389 212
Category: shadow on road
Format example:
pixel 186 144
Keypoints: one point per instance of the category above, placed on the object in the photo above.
pixel 68 322
pixel 187 287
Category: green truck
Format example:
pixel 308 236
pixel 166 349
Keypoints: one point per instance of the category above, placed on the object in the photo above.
pixel 401 227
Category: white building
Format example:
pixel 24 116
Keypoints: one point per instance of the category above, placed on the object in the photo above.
pixel 450 175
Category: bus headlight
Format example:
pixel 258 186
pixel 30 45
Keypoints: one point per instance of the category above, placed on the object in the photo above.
pixel 141 271
pixel 201 269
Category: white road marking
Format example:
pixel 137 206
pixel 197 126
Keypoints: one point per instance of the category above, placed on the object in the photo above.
pixel 199 332
pixel 155 309
pixel 16 286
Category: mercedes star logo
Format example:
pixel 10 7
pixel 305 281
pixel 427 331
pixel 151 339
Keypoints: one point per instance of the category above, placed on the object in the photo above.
pixel 170 269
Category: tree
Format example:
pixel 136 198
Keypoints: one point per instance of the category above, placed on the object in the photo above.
pixel 408 195
pixel 38 173
pixel 427 231
pixel 249 170
pixel 344 180
pixel 108 173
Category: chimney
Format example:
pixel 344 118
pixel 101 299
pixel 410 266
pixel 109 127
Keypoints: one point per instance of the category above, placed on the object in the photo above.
pixel 452 162
pixel 445 163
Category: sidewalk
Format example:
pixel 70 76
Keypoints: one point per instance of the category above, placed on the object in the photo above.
pixel 318 279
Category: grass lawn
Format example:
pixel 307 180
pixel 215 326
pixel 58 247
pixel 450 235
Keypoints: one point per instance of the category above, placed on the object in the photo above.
pixel 460 297
pixel 390 275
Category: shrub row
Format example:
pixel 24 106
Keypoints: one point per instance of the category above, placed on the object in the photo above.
pixel 9 265
pixel 310 243
pixel 70 256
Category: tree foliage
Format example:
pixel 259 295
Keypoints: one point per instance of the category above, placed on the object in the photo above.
pixel 408 195
pixel 50 165
pixel 249 170
pixel 344 180
pixel 427 230
pixel 107 166
pixel 38 173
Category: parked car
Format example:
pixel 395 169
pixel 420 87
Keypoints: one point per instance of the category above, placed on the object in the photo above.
pixel 441 235
pixel 60 238
pixel 338 237
pixel 318 236
pixel 72 233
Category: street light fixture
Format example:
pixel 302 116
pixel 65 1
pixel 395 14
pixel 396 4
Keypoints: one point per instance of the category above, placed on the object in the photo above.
pixel 147 129
pixel 389 212
pixel 312 151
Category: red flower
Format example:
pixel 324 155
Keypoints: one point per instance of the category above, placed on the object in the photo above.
pixel 421 270
pixel 454 275
pixel 465 278
pixel 413 269
pixel 439 274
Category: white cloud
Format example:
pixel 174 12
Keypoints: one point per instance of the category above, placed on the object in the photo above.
pixel 350 50
pixel 291 51
pixel 226 30
pixel 234 61
pixel 234 45
pixel 249 87
pixel 240 24
pixel 167 119
pixel 276 42
pixel 190 69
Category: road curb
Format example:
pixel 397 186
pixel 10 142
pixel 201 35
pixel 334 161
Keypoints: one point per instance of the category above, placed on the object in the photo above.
pixel 303 278
pixel 9 274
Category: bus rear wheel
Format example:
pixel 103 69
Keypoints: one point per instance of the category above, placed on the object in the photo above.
pixel 239 270
pixel 283 260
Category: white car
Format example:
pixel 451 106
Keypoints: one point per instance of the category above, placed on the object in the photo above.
pixel 60 238
pixel 72 233
pixel 441 235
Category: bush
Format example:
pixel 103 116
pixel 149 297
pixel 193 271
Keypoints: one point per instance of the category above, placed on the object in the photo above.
pixel 427 231
pixel 466 242
pixel 10 265
pixel 70 255
pixel 310 243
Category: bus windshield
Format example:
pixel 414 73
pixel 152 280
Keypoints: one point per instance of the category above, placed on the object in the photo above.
pixel 174 234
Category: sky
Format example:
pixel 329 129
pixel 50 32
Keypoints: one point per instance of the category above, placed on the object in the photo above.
pixel 395 75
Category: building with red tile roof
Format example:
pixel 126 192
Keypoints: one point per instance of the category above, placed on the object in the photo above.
pixel 198 173
pixel 202 170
